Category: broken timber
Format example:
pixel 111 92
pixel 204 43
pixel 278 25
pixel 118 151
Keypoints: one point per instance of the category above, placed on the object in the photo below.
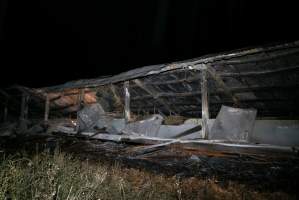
pixel 47 108
pixel 24 106
pixel 81 97
pixel 150 90
pixel 116 96
pixel 206 145
pixel 204 103
pixel 127 111
pixel 221 83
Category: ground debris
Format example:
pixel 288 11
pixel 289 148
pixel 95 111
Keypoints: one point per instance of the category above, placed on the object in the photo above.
pixel 176 159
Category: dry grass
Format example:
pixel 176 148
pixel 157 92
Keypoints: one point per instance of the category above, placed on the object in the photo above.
pixel 174 120
pixel 60 176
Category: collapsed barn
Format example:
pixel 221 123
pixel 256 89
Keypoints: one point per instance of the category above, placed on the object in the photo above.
pixel 239 102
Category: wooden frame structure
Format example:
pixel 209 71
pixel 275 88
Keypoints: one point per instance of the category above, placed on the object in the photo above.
pixel 265 78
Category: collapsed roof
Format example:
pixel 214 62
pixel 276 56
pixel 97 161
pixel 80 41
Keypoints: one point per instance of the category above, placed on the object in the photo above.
pixel 264 78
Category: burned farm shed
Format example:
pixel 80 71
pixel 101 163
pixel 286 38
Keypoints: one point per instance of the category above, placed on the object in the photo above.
pixel 247 96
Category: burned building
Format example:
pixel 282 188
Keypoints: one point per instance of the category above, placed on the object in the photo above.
pixel 237 103
pixel 245 95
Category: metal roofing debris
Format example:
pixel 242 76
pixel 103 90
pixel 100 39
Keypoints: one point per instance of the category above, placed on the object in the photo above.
pixel 264 78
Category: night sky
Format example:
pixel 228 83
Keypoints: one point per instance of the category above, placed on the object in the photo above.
pixel 47 42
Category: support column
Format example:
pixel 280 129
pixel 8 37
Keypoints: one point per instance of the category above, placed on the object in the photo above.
pixel 47 108
pixel 204 103
pixel 127 111
pixel 24 106
pixel 81 96
pixel 80 103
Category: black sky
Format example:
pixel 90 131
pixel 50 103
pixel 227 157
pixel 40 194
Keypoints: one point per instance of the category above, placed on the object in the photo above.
pixel 46 42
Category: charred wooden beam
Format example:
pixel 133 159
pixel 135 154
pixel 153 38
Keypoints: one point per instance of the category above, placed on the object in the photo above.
pixel 253 59
pixel 81 96
pixel 248 52
pixel 34 95
pixel 116 95
pixel 211 102
pixel 204 104
pixel 24 106
pixel 221 84
pixel 150 90
pixel 58 97
pixel 261 72
pixel 167 94
pixel 234 90
pixel 63 94
pixel 127 111
pixel 223 74
pixel 79 104
pixel 47 108
pixel 185 80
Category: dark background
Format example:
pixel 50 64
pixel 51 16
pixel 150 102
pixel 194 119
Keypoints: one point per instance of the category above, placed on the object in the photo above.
pixel 46 42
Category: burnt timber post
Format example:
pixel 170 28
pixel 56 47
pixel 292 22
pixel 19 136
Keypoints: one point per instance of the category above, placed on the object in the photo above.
pixel 204 104
pixel 81 97
pixel 24 106
pixel 127 111
pixel 80 103
pixel 47 108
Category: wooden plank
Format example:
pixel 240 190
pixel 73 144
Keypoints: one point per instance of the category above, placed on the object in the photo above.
pixel 127 111
pixel 204 104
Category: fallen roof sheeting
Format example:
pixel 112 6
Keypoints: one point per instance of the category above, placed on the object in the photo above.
pixel 237 57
